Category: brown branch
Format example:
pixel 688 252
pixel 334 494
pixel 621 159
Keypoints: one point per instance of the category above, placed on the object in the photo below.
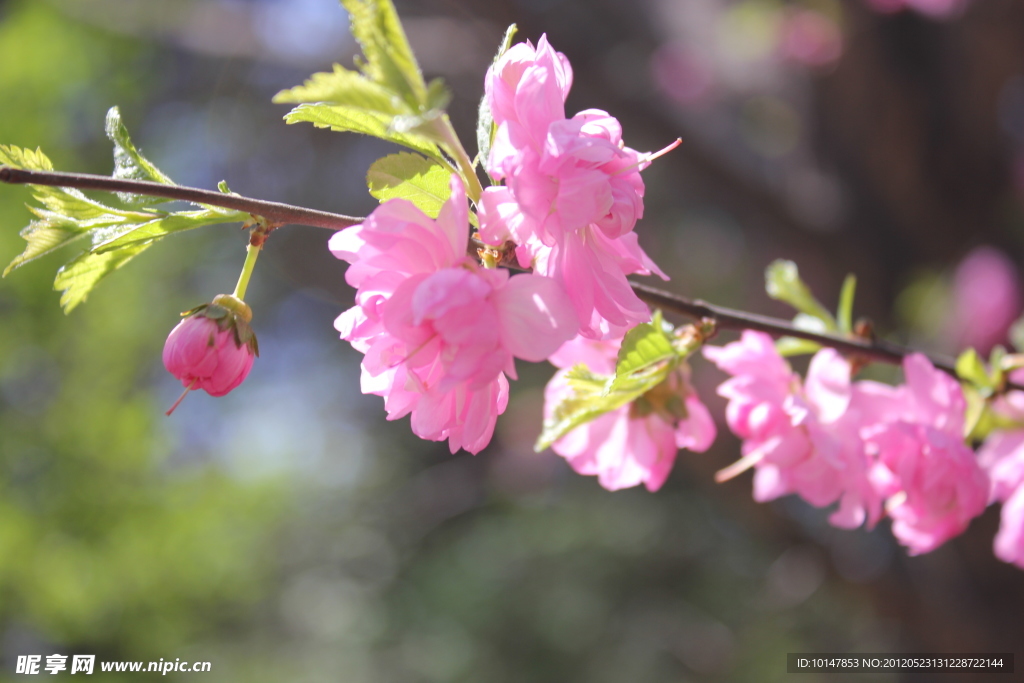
pixel 729 318
pixel 725 318
pixel 274 211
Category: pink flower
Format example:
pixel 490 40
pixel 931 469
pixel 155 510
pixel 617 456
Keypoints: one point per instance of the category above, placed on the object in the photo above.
pixel 1002 457
pixel 795 435
pixel 526 90
pixel 810 38
pixel 986 299
pixel 212 349
pixel 634 444
pixel 439 332
pixel 573 190
pixel 914 435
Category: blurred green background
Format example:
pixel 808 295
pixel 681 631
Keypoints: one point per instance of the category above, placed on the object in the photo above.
pixel 287 532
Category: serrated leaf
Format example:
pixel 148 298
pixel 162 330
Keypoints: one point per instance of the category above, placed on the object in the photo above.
pixel 593 396
pixel 844 314
pixel 345 87
pixel 161 226
pixel 129 162
pixel 388 58
pixel 67 215
pixel 783 283
pixel 81 275
pixel 345 118
pixel 485 118
pixel 643 346
pixel 410 176
pixel 115 235
pixel 793 346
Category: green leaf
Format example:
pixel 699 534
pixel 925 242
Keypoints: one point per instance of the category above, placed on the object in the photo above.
pixel 485 119
pixel 129 162
pixel 356 120
pixel 115 235
pixel 593 396
pixel 67 216
pixel 794 346
pixel 643 346
pixel 969 368
pixel 388 58
pixel 844 315
pixel 162 225
pixel 345 87
pixel 386 98
pixel 410 176
pixel 783 283
pixel 78 278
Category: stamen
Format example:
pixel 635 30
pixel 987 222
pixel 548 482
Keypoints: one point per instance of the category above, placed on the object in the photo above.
pixel 740 466
pixel 181 398
pixel 649 157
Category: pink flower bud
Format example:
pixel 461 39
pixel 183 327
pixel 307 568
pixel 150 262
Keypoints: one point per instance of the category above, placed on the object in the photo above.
pixel 213 348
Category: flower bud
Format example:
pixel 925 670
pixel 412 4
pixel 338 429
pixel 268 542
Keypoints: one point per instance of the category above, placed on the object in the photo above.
pixel 213 347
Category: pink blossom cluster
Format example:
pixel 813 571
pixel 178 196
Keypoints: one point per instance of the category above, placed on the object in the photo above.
pixel 572 190
pixel 634 444
pixel 872 448
pixel 438 330
pixel 1002 456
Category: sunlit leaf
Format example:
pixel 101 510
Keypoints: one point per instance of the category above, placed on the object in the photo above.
pixel 794 346
pixel 844 314
pixel 782 282
pixel 644 346
pixel 365 121
pixel 115 235
pixel 78 277
pixel 410 176
pixel 129 162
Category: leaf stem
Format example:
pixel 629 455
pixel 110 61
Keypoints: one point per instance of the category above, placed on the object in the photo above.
pixel 274 211
pixel 443 127
pixel 252 252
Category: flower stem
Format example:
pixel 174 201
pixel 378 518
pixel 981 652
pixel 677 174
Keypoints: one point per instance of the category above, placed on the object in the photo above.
pixel 251 254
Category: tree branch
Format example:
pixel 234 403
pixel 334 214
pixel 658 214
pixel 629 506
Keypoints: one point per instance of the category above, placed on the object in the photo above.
pixel 725 318
pixel 732 319
pixel 274 211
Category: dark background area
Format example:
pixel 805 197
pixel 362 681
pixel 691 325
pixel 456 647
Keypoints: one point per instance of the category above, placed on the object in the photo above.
pixel 288 532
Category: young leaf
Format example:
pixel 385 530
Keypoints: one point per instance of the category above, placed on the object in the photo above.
pixel 365 121
pixel 782 282
pixel 410 176
pixel 389 59
pixel 593 396
pixel 161 225
pixel 129 162
pixel 793 346
pixel 643 346
pixel 78 277
pixel 115 235
pixel 386 98
pixel 485 119
pixel 345 87
pixel 844 315
pixel 969 368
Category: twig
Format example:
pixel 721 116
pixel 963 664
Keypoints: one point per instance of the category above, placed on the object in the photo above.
pixel 725 318
pixel 732 319
pixel 275 211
